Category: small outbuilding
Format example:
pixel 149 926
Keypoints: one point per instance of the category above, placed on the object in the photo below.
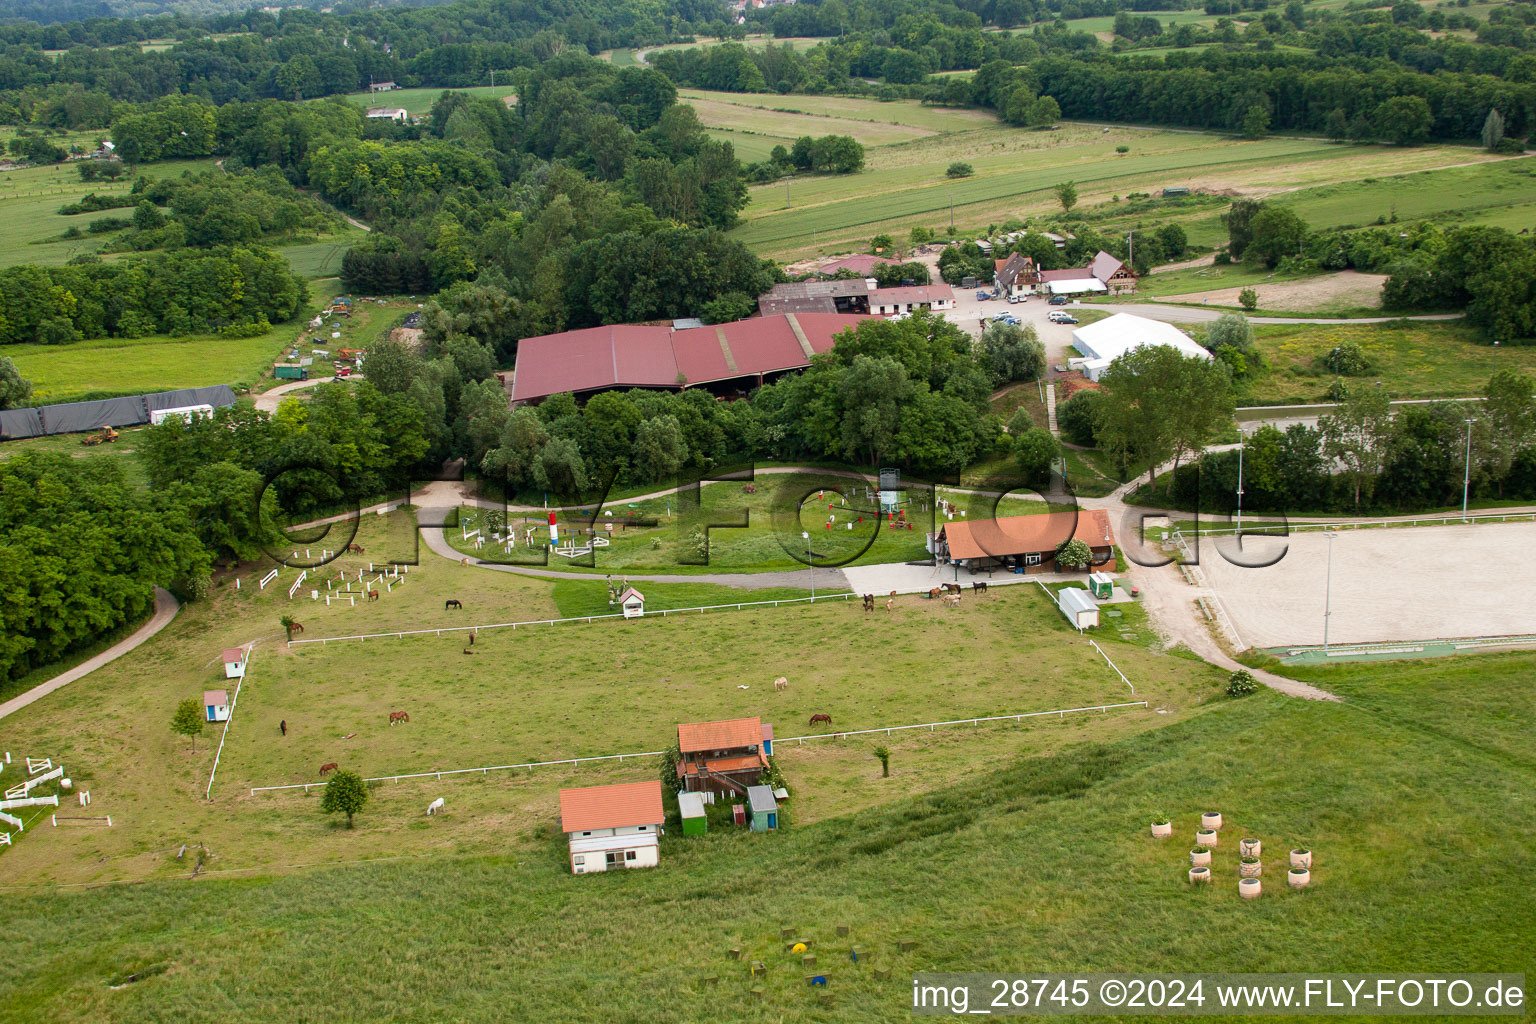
pixel 694 821
pixel 611 827
pixel 1079 607
pixel 633 603
pixel 768 738
pixel 1101 585
pixel 763 808
pixel 234 662
pixel 216 705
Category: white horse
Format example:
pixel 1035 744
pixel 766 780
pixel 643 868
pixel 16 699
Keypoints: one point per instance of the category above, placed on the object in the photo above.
pixel 434 806
pixel 780 683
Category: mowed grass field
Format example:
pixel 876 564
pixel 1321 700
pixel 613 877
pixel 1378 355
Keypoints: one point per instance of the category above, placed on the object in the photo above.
pixel 418 102
pixel 1412 795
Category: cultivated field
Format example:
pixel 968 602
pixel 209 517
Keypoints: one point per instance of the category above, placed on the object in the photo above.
pixel 1388 584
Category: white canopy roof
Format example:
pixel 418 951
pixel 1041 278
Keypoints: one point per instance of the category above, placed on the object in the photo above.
pixel 1117 335
pixel 1075 599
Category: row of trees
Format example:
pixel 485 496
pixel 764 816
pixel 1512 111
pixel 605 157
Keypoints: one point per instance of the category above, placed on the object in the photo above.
pixel 1363 457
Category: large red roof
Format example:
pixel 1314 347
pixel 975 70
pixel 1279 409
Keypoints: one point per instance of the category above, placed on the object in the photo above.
pixel 624 356
pixel 727 735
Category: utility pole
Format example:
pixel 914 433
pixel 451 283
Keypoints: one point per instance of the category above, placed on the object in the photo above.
pixel 1241 444
pixel 951 213
pixel 1130 245
pixel 1328 593
pixel 809 564
pixel 1466 478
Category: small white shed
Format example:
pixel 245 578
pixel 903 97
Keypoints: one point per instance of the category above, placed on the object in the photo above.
pixel 216 705
pixel 633 603
pixel 234 662
pixel 1079 607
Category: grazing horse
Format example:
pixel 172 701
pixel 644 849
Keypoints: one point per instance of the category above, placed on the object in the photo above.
pixel 434 806
pixel 283 725
pixel 399 716
pixel 978 588
pixel 780 683
pixel 951 588
pixel 356 549
pixel 821 718
pixel 469 650
pixel 953 599
pixel 329 767
pixel 935 592
pixel 297 627
pixel 453 603
pixel 373 595
pixel 869 602
pixel 889 604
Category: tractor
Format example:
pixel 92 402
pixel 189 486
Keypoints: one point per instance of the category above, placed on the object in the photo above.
pixel 102 436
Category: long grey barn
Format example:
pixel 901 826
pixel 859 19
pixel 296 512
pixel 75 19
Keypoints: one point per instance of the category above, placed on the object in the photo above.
pixel 74 417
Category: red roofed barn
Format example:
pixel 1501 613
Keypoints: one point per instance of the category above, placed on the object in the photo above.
pixel 731 356
pixel 722 756
pixel 1028 543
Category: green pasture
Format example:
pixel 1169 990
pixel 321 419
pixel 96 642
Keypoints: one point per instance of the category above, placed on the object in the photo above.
pixel 124 450
pixel 1107 22
pixel 1411 795
pixel 121 366
pixel 30 199
pixel 320 259
pixel 1411 360
pixel 1454 192
pixel 911 113
pixel 418 102
pixel 750 148
pixel 783 507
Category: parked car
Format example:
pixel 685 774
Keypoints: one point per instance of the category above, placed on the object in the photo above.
pixel 1059 317
pixel 1002 318
pixel 983 296
pixel 1058 300
pixel 1013 298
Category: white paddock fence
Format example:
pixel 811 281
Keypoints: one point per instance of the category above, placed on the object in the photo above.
pixel 799 740
pixel 663 612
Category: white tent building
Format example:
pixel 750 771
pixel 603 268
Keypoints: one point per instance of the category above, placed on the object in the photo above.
pixel 1100 343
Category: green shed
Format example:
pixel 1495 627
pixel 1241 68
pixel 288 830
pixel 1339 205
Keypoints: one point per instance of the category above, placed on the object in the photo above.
pixel 692 806
pixel 1101 585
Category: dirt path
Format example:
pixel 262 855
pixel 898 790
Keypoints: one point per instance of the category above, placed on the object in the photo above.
pixel 268 401
pixel 166 607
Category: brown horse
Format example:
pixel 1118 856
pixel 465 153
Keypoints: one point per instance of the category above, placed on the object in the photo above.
pixel 869 602
pixel 373 595
pixel 329 767
pixel 453 603
pixel 821 718
pixel 951 588
pixel 297 627
pixel 978 588
pixel 356 549
pixel 399 716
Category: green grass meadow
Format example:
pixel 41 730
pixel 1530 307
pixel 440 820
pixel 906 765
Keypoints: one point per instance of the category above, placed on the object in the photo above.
pixel 418 102
pixel 1412 796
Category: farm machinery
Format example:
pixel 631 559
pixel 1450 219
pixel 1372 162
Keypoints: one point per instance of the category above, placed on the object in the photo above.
pixel 103 435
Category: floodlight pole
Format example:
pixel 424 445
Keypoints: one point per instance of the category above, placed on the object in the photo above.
pixel 1241 443
pixel 1466 477
pixel 809 564
pixel 1328 590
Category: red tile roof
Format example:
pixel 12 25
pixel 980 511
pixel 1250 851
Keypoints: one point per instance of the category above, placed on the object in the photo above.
pixel 233 654
pixel 737 732
pixel 1074 274
pixel 737 764
pixel 622 356
pixel 621 806
pixel 912 293
pixel 215 698
pixel 1017 535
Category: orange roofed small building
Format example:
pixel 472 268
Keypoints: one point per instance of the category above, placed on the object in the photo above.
pixel 723 757
pixel 1024 543
pixel 612 826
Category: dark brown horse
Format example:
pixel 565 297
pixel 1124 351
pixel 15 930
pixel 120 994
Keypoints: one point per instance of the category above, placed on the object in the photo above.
pixel 453 603
pixel 821 718
pixel 373 595
pixel 869 602
pixel 329 767
pixel 399 716
pixel 978 588
pixel 356 549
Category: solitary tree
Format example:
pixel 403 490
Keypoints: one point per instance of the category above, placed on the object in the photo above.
pixel 1493 130
pixel 884 756
pixel 188 720
pixel 346 792
pixel 288 622
pixel 960 169
pixel 1248 299
pixel 1358 432
pixel 1066 195
pixel 1074 555
pixel 1255 122
pixel 1042 113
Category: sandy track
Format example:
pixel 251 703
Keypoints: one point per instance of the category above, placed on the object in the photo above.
pixel 1347 288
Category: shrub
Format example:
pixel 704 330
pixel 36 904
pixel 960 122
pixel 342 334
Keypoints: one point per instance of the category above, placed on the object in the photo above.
pixel 1074 554
pixel 959 169
pixel 1076 417
pixel 1122 149
pixel 1347 360
pixel 1248 299
pixel 1241 683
